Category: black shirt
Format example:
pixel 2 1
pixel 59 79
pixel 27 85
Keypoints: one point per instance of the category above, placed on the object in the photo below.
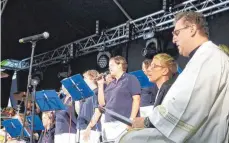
pixel 163 90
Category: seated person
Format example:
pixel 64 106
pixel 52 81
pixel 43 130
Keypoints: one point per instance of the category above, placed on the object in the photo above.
pixel 162 71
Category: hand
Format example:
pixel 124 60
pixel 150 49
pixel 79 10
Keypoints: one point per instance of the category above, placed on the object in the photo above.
pixel 86 135
pixel 138 122
pixel 100 81
pixel 129 127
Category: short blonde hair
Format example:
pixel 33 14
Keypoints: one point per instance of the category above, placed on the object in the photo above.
pixel 120 60
pixel 167 61
pixel 224 48
pixel 91 74
pixel 49 114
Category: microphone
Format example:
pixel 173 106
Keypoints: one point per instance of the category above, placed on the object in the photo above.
pixel 102 75
pixel 37 37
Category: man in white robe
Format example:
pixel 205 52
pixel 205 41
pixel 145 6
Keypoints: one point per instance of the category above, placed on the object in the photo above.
pixel 196 108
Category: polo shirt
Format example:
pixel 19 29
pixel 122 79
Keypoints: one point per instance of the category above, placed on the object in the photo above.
pixel 119 95
pixel 87 107
pixel 63 118
pixel 47 137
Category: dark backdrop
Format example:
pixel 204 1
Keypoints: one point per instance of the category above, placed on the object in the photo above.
pixel 219 33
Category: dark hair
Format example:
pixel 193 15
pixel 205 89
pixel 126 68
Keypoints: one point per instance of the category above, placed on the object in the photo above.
pixel 120 60
pixel 147 62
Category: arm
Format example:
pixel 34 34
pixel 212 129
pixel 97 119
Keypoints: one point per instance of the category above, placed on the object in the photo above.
pixel 135 106
pixel 135 90
pixel 77 107
pixel 101 97
pixel 95 119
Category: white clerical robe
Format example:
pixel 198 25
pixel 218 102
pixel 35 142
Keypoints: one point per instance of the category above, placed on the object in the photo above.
pixel 196 108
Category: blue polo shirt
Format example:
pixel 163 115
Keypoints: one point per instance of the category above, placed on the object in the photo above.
pixel 63 118
pixel 119 95
pixel 87 107
pixel 148 96
pixel 47 137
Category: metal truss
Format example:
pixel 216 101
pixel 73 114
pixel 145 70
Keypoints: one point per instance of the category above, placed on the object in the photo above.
pixel 3 5
pixel 131 30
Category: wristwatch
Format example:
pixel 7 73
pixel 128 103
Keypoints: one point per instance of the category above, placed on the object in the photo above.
pixel 147 123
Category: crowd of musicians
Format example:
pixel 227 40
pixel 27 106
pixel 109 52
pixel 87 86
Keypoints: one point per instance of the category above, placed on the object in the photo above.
pixel 187 107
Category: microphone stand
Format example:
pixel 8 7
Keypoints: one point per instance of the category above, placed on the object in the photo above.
pixel 34 83
pixel 27 94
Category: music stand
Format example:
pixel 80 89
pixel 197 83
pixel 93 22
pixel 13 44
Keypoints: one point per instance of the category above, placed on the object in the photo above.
pixel 142 78
pixel 48 100
pixel 77 87
pixel 14 127
pixel 117 116
pixel 38 125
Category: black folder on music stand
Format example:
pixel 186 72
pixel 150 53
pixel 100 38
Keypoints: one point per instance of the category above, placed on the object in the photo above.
pixel 48 100
pixel 117 116
pixel 77 87
pixel 13 127
pixel 38 125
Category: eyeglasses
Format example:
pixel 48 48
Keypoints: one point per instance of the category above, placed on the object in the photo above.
pixel 177 32
pixel 155 66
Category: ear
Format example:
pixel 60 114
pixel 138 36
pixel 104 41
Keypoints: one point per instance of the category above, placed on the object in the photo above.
pixel 193 29
pixel 165 71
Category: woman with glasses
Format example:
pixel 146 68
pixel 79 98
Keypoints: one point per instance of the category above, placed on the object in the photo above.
pixel 163 72
pixel 122 96
pixel 148 94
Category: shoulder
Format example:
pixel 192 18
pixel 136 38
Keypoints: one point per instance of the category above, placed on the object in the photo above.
pixel 131 77
pixel 207 55
pixel 209 48
pixel 95 91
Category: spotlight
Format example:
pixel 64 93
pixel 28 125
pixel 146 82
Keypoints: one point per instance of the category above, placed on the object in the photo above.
pixel 103 59
pixel 65 70
pixel 167 5
pixel 71 51
pixel 151 49
pixel 37 75
pixel 97 27
pixel 148 35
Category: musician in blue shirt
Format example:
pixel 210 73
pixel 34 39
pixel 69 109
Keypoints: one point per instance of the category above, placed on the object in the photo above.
pixel 65 130
pixel 122 95
pixel 47 136
pixel 89 114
